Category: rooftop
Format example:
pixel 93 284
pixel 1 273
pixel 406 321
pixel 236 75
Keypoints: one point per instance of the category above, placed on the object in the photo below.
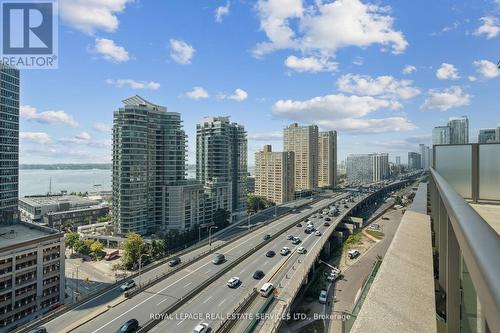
pixel 22 232
pixel 46 200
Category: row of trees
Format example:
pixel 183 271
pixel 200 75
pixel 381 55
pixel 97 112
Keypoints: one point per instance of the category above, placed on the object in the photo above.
pixel 256 203
pixel 85 247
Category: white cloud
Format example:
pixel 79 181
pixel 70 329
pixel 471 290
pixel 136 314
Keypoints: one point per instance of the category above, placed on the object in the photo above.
pixel 310 64
pixel 84 138
pixel 447 72
pixel 91 15
pixel 47 117
pixel 134 84
pixel 326 27
pixel 446 99
pixel 266 136
pixel 384 86
pixel 110 51
pixel 102 127
pixel 181 52
pixel 370 126
pixel 221 11
pixel 197 93
pixel 486 69
pixel 490 27
pixel 408 69
pixel 37 137
pixel 239 95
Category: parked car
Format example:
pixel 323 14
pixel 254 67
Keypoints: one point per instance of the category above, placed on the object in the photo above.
pixel 174 261
pixel 267 236
pixel 201 328
pixel 301 250
pixel 218 258
pixel 353 254
pixel 258 275
pixel 284 251
pixel 130 326
pixel 270 254
pixel 127 285
pixel 233 282
pixel 322 296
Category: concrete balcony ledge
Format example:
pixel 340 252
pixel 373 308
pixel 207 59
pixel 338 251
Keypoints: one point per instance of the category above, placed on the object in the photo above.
pixel 401 298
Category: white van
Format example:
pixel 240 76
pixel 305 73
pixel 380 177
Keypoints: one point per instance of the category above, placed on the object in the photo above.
pixel 266 289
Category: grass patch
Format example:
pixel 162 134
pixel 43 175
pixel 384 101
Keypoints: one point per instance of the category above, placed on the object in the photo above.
pixel 375 233
pixel 316 326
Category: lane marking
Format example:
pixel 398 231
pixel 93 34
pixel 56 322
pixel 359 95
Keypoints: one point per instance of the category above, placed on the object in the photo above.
pixel 222 302
pixel 161 302
pixel 188 284
pixel 286 219
pixel 208 299
pixel 181 322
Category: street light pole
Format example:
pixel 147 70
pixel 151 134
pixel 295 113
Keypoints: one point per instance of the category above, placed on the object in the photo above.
pixel 140 266
pixel 210 236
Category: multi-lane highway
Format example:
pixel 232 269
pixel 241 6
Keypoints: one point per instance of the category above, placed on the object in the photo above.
pixel 171 289
pixel 100 302
pixel 217 300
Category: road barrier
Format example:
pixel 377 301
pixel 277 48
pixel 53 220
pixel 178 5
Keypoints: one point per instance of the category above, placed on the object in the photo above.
pixel 169 310
pixel 228 324
pixel 56 313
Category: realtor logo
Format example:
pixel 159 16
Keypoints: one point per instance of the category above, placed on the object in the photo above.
pixel 29 33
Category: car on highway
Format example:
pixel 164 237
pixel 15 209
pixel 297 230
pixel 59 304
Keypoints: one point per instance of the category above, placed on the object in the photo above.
pixel 39 330
pixel 201 328
pixel 307 231
pixel 174 261
pixel 322 296
pixel 266 237
pixel 314 216
pixel 299 225
pixel 284 251
pixel 289 237
pixel 233 282
pixel 296 240
pixel 385 218
pixel 326 224
pixel 353 254
pixel 270 254
pixel 258 275
pixel 218 258
pixel 317 233
pixel 127 285
pixel 327 219
pixel 301 250
pixel 345 206
pixel 320 216
pixel 266 289
pixel 130 326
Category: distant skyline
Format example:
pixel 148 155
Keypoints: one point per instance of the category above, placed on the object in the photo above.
pixel 266 64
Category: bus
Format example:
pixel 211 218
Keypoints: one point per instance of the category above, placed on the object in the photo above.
pixel 111 255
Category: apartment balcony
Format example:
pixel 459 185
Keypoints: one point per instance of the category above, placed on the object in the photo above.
pixel 441 272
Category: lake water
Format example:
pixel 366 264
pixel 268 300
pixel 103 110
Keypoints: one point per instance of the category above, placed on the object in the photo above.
pixel 34 182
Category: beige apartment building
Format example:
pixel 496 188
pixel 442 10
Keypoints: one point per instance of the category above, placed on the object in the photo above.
pixel 327 159
pixel 274 175
pixel 303 141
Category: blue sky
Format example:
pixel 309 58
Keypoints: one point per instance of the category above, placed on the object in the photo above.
pixel 381 73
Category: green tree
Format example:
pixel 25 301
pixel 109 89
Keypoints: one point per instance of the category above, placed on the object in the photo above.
pixel 221 218
pixel 71 239
pixel 96 248
pixel 157 248
pixel 133 248
pixel 83 246
pixel 256 203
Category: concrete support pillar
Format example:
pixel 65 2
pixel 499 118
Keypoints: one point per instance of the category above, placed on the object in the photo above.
pixel 453 293
pixel 327 249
